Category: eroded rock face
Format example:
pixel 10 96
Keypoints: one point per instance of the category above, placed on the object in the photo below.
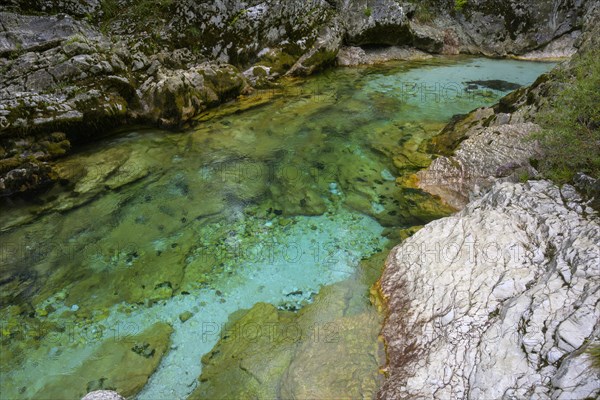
pixel 489 154
pixel 382 22
pixel 497 301
pixel 500 28
pixel 352 55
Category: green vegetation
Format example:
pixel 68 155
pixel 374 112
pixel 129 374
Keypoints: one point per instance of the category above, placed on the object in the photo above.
pixel 144 13
pixel 570 138
pixel 524 176
pixel 425 10
pixel 424 13
pixel 594 352
pixel 368 12
pixel 237 17
pixel 459 4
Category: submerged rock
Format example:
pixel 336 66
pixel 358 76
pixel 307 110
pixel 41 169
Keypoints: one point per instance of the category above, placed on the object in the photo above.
pixel 498 300
pixel 117 365
pixel 103 395
pixel 328 349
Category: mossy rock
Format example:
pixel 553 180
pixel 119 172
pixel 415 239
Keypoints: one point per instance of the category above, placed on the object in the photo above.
pixel 455 131
pixel 329 349
pixel 279 61
pixel 247 362
pixel 123 364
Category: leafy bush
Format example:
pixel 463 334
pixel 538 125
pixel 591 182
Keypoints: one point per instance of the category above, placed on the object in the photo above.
pixel 570 137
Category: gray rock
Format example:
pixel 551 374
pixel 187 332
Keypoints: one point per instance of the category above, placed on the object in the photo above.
pixel 72 48
pixel 175 96
pixel 379 22
pixel 558 49
pixel 33 32
pixel 351 56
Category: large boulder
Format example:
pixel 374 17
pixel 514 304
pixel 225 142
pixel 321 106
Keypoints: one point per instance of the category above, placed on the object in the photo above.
pixel 173 97
pixel 497 301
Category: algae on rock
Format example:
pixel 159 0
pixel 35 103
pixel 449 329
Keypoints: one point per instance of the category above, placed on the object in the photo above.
pixel 123 364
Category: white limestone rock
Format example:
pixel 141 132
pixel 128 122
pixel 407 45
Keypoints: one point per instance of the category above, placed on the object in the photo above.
pixel 489 154
pixel 497 301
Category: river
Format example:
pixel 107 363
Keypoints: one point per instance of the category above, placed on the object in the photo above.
pixel 268 199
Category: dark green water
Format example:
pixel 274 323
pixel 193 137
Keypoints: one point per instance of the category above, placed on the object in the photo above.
pixel 267 200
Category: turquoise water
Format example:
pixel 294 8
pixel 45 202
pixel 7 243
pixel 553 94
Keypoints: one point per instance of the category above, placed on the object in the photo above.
pixel 267 200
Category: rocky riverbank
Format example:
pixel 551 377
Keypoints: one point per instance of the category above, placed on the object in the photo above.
pixel 72 71
pixel 499 300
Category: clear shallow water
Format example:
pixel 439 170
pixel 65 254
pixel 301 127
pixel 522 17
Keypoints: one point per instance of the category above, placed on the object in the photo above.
pixel 267 200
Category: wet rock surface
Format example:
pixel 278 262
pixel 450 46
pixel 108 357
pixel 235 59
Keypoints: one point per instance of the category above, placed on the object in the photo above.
pixel 487 155
pixel 509 284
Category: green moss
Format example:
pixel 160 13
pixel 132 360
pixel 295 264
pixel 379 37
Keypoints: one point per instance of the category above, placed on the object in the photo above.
pixel 459 4
pixel 320 59
pixel 424 13
pixel 367 12
pixel 9 163
pixel 524 176
pixel 594 352
pixel 280 62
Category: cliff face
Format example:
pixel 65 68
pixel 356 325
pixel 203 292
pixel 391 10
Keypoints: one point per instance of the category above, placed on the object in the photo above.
pixel 81 67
